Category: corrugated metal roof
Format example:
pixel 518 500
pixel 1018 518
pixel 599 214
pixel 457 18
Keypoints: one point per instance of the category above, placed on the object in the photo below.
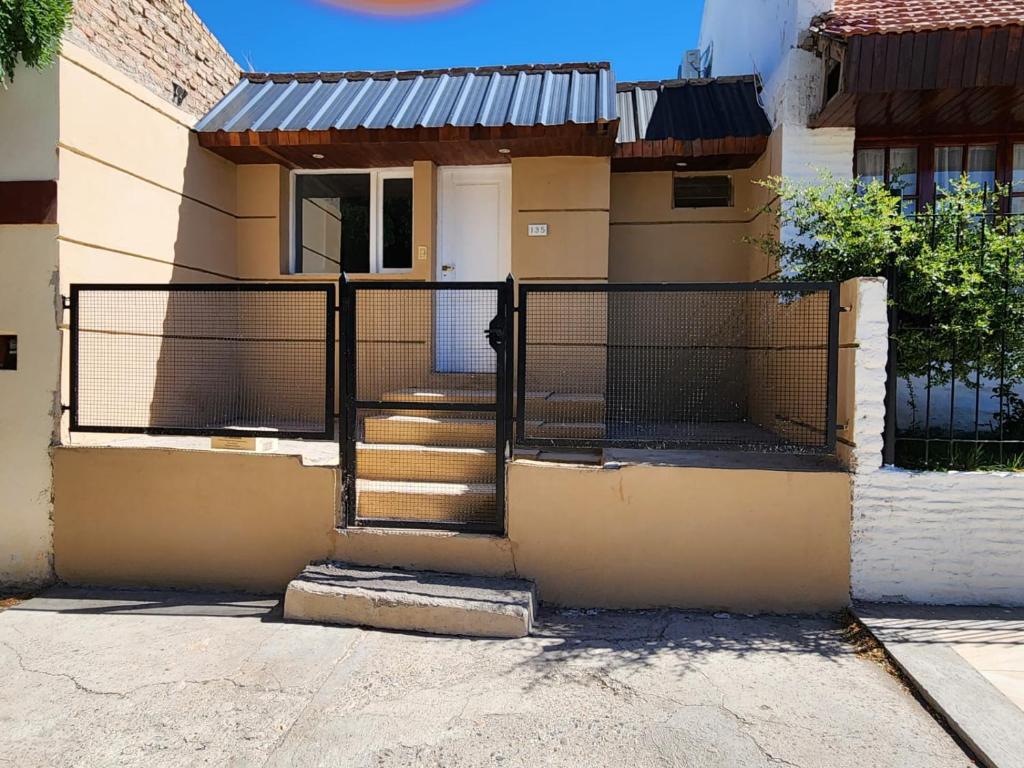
pixel 489 96
pixel 690 109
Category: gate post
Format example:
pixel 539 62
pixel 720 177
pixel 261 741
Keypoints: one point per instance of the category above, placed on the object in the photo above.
pixel 347 389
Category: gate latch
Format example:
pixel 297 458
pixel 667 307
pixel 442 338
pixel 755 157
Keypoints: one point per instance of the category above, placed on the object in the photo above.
pixel 495 333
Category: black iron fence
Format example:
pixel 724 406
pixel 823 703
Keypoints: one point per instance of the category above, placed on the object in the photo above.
pixel 955 394
pixel 426 404
pixel 232 359
pixel 748 366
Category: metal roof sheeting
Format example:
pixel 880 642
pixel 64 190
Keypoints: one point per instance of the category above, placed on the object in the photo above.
pixel 689 110
pixel 485 96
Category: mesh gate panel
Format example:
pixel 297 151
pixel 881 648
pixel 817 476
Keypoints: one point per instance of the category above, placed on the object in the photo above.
pixel 203 359
pixel 425 403
pixel 677 366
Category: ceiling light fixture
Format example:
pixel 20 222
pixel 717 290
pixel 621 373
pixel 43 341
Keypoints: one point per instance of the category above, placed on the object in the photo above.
pixel 317 156
pixel 678 165
pixel 504 151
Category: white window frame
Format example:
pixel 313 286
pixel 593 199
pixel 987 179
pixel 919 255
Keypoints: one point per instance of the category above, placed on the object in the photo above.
pixel 377 177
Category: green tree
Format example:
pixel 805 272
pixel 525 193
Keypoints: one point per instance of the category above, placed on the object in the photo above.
pixel 31 30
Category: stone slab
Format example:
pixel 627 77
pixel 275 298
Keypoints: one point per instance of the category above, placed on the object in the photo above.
pixel 922 641
pixel 417 601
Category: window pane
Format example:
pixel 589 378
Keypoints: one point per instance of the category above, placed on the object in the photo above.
pixel 1017 205
pixel 949 165
pixel 903 169
pixel 981 165
pixel 702 191
pixel 1018 167
pixel 334 222
pixel 871 165
pixel 396 229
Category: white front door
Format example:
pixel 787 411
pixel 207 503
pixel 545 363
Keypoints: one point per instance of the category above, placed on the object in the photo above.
pixel 474 244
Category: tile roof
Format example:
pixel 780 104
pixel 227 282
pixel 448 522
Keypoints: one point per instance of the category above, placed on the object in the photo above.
pixel 688 110
pixel 870 17
pixel 546 94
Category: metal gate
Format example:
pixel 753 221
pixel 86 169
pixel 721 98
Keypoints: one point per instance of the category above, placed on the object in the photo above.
pixel 426 403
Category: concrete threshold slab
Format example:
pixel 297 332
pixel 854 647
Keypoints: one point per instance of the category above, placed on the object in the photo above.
pixel 922 641
pixel 418 601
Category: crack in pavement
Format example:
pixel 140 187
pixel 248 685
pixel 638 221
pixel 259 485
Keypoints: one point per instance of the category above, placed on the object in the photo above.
pixel 356 642
pixel 125 694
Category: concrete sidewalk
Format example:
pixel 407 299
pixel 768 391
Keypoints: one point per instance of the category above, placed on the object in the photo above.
pixel 968 662
pixel 172 679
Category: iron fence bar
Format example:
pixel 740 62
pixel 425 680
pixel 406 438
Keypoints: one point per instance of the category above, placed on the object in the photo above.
pixel 501 401
pixel 764 286
pixel 330 372
pixel 349 361
pixel 891 378
pixel 521 365
pixel 73 385
pixel 413 405
pixel 832 385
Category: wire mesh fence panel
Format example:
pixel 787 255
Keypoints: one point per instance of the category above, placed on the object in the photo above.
pixel 203 359
pixel 425 420
pixel 748 366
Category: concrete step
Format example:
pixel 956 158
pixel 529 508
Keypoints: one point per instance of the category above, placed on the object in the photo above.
pixel 415 601
pixel 384 500
pixel 429 463
pixel 566 407
pixel 403 429
pixel 592 430
pixel 545 406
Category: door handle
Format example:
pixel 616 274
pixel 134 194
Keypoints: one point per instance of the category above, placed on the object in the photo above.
pixel 447 267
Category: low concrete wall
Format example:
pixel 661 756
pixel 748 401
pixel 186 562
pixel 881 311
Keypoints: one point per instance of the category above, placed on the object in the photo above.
pixel 925 537
pixel 647 536
pixel 638 536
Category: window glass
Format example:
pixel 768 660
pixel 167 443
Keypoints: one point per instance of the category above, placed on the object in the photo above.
pixel 949 165
pixel 981 165
pixel 702 192
pixel 871 165
pixel 903 170
pixel 1018 167
pixel 396 224
pixel 333 224
pixel 1017 205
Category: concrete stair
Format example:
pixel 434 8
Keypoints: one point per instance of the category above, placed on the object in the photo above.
pixel 417 601
pixel 427 501
pixel 436 430
pixel 439 466
pixel 425 463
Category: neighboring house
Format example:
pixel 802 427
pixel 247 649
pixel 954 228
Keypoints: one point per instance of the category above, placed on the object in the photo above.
pixel 914 93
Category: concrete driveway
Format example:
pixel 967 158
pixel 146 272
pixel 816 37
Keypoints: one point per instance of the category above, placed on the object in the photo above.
pixel 171 679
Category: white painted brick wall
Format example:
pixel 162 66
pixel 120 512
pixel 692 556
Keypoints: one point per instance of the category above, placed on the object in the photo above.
pixel 926 537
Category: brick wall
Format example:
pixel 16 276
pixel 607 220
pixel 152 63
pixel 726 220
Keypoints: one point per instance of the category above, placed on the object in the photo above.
pixel 925 537
pixel 157 43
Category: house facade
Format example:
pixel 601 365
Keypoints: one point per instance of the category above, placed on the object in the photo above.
pixel 549 291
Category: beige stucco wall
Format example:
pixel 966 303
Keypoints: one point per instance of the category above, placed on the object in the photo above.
pixel 571 196
pixel 651 241
pixel 638 536
pixel 28 403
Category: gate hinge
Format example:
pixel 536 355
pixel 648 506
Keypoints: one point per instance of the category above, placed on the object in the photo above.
pixel 65 301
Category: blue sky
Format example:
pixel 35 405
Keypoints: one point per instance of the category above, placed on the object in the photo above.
pixel 643 39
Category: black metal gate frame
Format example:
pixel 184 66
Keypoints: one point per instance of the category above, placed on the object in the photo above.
pixel 525 290
pixel 330 309
pixel 499 334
